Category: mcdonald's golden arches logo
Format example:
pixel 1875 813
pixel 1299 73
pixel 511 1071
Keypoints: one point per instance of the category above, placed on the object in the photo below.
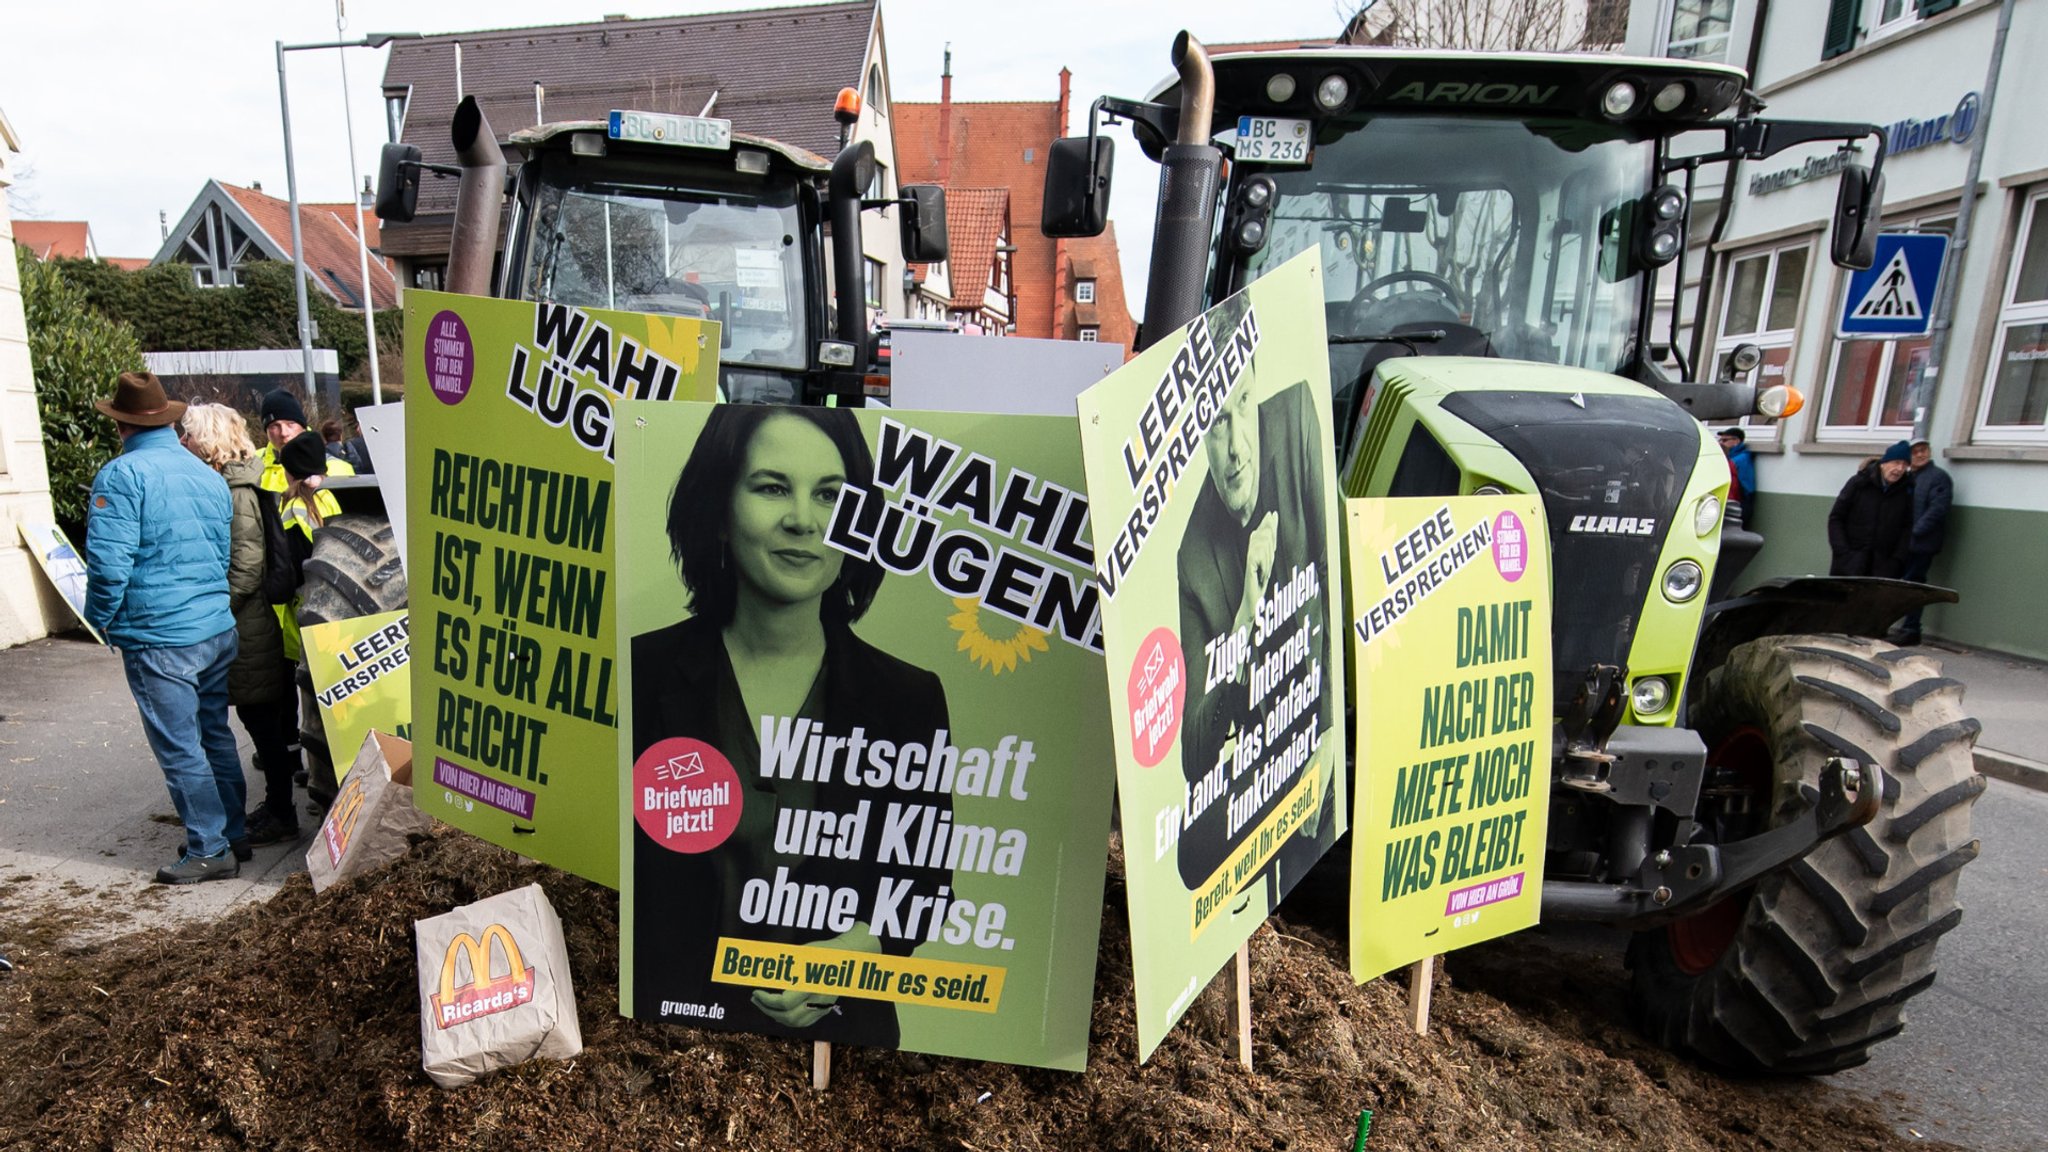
pixel 340 826
pixel 484 994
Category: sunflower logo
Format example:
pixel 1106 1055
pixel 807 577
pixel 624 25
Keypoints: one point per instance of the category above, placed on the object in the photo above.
pixel 997 655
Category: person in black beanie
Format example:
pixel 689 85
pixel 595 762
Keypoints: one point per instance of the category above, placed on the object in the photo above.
pixel 1872 519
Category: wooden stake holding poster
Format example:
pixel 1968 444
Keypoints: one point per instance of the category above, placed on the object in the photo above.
pixel 1421 975
pixel 821 1064
pixel 1242 1015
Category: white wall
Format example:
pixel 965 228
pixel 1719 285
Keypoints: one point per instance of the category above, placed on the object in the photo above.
pixel 29 607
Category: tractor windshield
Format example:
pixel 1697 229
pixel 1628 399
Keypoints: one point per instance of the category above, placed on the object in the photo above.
pixel 1511 236
pixel 731 256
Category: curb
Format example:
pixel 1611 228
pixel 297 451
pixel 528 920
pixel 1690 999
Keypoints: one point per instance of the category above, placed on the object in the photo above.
pixel 2014 769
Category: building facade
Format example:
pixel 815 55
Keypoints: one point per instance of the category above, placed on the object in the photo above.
pixel 29 607
pixel 228 226
pixel 1919 70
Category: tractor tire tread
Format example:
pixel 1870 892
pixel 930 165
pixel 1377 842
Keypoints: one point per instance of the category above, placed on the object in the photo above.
pixel 1831 950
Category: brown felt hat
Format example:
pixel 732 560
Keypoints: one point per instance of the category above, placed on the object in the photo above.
pixel 139 399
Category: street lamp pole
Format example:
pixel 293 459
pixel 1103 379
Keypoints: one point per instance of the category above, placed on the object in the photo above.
pixel 331 404
pixel 291 183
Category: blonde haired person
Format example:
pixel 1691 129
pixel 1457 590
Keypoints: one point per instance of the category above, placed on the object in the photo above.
pixel 260 680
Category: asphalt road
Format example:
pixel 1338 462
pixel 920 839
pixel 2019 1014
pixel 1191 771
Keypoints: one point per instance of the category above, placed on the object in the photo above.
pixel 1972 1065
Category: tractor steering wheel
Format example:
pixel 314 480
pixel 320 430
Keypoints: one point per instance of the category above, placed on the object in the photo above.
pixel 1413 307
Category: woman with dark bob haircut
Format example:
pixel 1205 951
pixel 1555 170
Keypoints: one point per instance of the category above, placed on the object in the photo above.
pixel 769 644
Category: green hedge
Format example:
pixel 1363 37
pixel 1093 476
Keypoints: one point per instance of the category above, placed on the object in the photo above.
pixel 77 353
pixel 169 312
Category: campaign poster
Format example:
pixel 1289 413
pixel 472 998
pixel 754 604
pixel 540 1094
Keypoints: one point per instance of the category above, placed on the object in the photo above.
pixel 1450 633
pixel 64 567
pixel 863 729
pixel 510 415
pixel 1214 518
pixel 362 679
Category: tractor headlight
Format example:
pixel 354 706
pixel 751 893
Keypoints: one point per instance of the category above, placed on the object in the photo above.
pixel 1333 91
pixel 1707 516
pixel 1651 695
pixel 1669 97
pixel 1663 246
pixel 1682 581
pixel 1280 87
pixel 1620 99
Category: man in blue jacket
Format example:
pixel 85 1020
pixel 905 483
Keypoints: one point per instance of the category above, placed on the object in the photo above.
pixel 157 587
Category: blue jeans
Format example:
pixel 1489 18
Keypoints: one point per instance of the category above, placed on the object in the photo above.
pixel 182 694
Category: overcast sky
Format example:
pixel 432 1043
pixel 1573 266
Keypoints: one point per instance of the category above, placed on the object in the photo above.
pixel 126 107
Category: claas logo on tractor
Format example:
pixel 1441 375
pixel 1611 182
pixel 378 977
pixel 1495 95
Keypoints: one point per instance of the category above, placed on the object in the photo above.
pixel 340 825
pixel 484 994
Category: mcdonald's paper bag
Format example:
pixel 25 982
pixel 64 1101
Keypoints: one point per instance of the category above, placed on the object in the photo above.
pixel 494 987
pixel 371 816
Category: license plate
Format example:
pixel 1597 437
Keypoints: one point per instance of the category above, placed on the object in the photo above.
pixel 1272 140
pixel 662 128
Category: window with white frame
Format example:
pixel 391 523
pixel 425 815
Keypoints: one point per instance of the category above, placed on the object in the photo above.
pixel 1699 30
pixel 1091 335
pixel 1084 291
pixel 1870 382
pixel 2016 396
pixel 1761 307
pixel 872 281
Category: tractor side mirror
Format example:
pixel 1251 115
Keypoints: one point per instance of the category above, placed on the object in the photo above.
pixel 924 223
pixel 1077 186
pixel 1859 200
pixel 398 182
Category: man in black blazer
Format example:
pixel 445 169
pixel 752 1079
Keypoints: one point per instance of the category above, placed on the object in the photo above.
pixel 1260 517
pixel 1933 492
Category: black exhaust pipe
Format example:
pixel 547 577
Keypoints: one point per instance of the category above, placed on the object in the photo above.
pixel 479 198
pixel 1190 169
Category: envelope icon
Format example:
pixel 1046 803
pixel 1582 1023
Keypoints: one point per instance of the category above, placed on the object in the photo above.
pixel 682 767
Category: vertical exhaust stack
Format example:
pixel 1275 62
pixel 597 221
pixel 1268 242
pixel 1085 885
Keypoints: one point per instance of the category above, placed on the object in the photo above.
pixel 479 199
pixel 1190 169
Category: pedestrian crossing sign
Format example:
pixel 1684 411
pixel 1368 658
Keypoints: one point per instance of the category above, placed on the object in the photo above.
pixel 1893 299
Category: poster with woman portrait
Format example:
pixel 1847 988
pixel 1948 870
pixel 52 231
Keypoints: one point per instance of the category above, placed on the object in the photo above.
pixel 865 757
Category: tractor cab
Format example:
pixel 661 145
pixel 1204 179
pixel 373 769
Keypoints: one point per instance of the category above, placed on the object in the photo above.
pixel 680 216
pixel 1512 206
pixel 732 235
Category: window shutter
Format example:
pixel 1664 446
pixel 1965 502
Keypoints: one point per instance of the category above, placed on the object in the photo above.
pixel 1842 29
pixel 1935 7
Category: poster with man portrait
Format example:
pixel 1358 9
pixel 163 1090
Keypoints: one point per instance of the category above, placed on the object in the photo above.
pixel 865 766
pixel 1212 480
pixel 511 417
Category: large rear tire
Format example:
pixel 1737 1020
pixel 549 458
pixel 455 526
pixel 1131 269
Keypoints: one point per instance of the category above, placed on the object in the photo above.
pixel 354 571
pixel 1807 971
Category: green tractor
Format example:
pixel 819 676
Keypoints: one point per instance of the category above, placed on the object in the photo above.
pixel 1772 799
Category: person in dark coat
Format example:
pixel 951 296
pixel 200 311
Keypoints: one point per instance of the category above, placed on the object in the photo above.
pixel 260 680
pixel 1872 519
pixel 770 645
pixel 1933 492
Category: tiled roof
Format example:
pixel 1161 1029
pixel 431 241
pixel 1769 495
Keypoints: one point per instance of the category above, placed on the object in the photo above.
pixel 55 239
pixel 1269 45
pixel 995 145
pixel 128 263
pixel 345 212
pixel 331 258
pixel 1095 258
pixel 975 218
pixel 775 70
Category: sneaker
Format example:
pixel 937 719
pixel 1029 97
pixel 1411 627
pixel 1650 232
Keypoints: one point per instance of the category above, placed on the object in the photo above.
pixel 199 869
pixel 268 828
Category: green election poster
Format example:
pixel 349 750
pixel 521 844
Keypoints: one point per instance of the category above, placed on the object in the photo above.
pixel 362 679
pixel 1214 518
pixel 864 738
pixel 510 410
pixel 1450 606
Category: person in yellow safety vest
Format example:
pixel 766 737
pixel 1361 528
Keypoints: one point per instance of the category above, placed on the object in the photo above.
pixel 284 420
